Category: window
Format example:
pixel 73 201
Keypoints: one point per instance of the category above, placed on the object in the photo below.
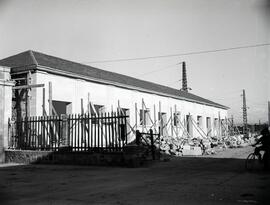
pixel 145 117
pixel 223 127
pixel 199 121
pixel 216 123
pixel 189 124
pixel 208 126
pixel 176 118
pixel 162 117
pixel 61 107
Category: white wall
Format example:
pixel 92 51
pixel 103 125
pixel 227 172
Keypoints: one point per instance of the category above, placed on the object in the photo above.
pixel 72 90
pixel 5 108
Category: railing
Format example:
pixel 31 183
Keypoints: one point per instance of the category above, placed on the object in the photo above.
pixel 88 133
pixel 151 140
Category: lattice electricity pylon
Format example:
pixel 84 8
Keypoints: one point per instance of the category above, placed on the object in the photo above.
pixel 184 77
pixel 245 127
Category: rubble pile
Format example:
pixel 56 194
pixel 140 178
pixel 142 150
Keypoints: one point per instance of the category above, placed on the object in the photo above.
pixel 196 146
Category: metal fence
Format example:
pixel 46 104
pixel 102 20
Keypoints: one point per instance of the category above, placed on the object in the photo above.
pixel 106 132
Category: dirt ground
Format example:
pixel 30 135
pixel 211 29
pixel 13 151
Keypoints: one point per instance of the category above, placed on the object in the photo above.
pixel 216 179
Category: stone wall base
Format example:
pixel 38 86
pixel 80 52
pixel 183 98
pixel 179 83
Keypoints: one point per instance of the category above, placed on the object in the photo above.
pixel 74 158
pixel 132 156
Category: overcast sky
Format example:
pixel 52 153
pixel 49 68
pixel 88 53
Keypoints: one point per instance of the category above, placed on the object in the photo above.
pixel 93 30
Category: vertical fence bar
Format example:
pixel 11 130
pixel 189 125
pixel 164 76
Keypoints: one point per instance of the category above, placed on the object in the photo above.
pixel 60 135
pixel 125 121
pixel 109 131
pixel 118 129
pixel 98 133
pixel 82 131
pixel 50 131
pixel 39 133
pixel 112 122
pixel 54 132
pixel 105 134
pixel 72 132
pixel 95 131
pixel 33 143
pixel 88 133
pixel 78 136
pixel 48 139
pixel 33 134
pixel 91 136
pixel 28 131
pixel 115 129
pixel 36 132
pixel 43 134
pixel 101 131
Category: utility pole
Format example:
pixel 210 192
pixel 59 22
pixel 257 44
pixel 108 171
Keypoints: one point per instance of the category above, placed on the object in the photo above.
pixel 245 128
pixel 232 125
pixel 268 113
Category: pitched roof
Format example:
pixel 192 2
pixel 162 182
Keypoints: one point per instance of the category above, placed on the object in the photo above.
pixel 33 59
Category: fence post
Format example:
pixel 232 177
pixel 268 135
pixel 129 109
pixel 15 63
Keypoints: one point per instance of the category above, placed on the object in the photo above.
pixel 152 144
pixel 138 137
pixel 65 130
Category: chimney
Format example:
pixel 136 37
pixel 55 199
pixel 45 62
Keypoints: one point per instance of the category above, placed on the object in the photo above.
pixel 184 78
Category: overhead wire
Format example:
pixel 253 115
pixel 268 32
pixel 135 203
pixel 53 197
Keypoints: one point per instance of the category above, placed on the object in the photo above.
pixel 157 70
pixel 179 54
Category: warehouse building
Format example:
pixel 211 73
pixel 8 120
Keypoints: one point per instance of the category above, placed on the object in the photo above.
pixel 57 86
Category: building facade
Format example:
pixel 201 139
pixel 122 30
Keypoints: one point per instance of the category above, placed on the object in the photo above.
pixel 58 86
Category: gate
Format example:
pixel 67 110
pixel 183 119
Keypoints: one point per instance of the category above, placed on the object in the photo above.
pixel 83 133
pixel 151 141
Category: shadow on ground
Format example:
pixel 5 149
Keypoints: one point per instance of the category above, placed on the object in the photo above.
pixel 187 180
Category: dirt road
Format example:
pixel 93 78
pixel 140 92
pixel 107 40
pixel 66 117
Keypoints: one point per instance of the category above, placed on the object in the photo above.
pixel 219 179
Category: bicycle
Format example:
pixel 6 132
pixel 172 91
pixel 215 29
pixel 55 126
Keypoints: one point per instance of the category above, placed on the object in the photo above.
pixel 254 162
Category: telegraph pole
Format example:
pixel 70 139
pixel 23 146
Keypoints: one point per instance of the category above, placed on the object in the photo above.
pixel 268 113
pixel 245 128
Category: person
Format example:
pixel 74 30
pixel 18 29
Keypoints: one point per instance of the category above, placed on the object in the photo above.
pixel 265 141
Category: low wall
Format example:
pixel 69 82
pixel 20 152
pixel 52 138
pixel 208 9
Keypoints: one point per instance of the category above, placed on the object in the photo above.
pixel 75 158
pixel 132 156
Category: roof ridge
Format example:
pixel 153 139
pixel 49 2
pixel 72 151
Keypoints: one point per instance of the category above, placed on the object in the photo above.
pixel 41 59
pixel 40 53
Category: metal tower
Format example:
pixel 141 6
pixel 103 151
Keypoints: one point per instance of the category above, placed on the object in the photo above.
pixel 184 77
pixel 245 128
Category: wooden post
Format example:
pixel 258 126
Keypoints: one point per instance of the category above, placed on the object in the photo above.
pixel 65 130
pixel 136 116
pixel 143 119
pixel 189 124
pixel 82 110
pixel 43 102
pixel 269 113
pixel 160 117
pixel 171 121
pixel 50 99
pixel 152 144
pixel 138 137
pixel 118 107
pixel 176 118
pixel 219 125
pixel 155 119
pixel 88 103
